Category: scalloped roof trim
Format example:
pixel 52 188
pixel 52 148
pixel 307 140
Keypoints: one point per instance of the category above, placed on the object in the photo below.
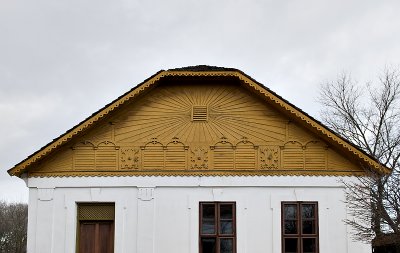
pixel 210 173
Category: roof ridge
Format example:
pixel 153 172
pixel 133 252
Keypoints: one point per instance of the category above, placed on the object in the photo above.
pixel 203 68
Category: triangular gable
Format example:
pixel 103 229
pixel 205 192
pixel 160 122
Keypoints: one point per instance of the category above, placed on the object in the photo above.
pixel 99 154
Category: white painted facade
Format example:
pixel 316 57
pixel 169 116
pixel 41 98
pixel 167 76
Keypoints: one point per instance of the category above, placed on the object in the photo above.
pixel 161 214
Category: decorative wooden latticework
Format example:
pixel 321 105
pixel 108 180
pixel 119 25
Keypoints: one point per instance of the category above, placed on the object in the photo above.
pixel 96 211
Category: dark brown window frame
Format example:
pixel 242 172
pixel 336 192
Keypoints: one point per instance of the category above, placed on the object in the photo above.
pixel 217 235
pixel 299 236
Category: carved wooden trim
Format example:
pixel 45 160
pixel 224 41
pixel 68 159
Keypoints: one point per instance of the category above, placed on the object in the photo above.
pixel 199 158
pixel 129 158
pixel 201 173
pixel 270 157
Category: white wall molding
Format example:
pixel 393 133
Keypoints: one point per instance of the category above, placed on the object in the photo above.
pixel 151 182
pixel 45 194
pixel 146 220
pixel 146 193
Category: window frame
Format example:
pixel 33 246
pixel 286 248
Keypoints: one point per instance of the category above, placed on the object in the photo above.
pixel 217 235
pixel 299 235
pixel 96 219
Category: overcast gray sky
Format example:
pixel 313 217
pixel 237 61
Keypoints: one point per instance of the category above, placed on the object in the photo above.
pixel 62 60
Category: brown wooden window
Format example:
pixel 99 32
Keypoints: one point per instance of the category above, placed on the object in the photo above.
pixel 217 227
pixel 95 228
pixel 300 227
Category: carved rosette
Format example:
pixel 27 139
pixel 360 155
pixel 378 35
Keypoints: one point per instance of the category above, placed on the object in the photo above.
pixel 199 158
pixel 269 157
pixel 129 158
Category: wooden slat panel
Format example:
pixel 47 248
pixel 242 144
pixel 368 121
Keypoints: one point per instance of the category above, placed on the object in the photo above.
pixel 223 158
pixel 298 133
pixel 99 134
pixel 62 161
pixel 84 158
pixel 153 157
pixel 315 157
pixel 293 157
pixel 106 158
pixel 175 158
pixel 245 156
pixel 338 162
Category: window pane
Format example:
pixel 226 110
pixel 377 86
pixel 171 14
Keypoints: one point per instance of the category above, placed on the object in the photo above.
pixel 308 211
pixel 291 245
pixel 226 211
pixel 291 227
pixel 290 211
pixel 208 245
pixel 309 245
pixel 226 227
pixel 208 227
pixel 208 211
pixel 226 246
pixel 208 219
pixel 308 227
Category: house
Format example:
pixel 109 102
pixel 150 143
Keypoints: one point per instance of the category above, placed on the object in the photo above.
pixel 193 160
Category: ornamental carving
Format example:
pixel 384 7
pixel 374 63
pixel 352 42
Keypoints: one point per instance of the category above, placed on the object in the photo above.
pixel 269 158
pixel 199 115
pixel 199 158
pixel 129 158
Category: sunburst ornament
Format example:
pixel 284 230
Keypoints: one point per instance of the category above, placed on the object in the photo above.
pixel 200 115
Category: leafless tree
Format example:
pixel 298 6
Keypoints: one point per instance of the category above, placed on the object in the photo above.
pixel 369 116
pixel 13 227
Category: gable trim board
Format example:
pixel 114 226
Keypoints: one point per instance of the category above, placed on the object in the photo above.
pixel 283 106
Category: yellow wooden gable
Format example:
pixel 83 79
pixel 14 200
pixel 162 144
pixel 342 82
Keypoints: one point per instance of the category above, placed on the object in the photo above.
pixel 198 121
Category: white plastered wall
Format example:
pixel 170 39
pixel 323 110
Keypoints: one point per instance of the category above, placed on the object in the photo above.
pixel 160 214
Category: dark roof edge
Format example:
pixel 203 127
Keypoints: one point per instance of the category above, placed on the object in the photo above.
pixel 199 68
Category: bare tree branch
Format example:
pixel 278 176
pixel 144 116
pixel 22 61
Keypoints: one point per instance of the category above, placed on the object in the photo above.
pixel 371 120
